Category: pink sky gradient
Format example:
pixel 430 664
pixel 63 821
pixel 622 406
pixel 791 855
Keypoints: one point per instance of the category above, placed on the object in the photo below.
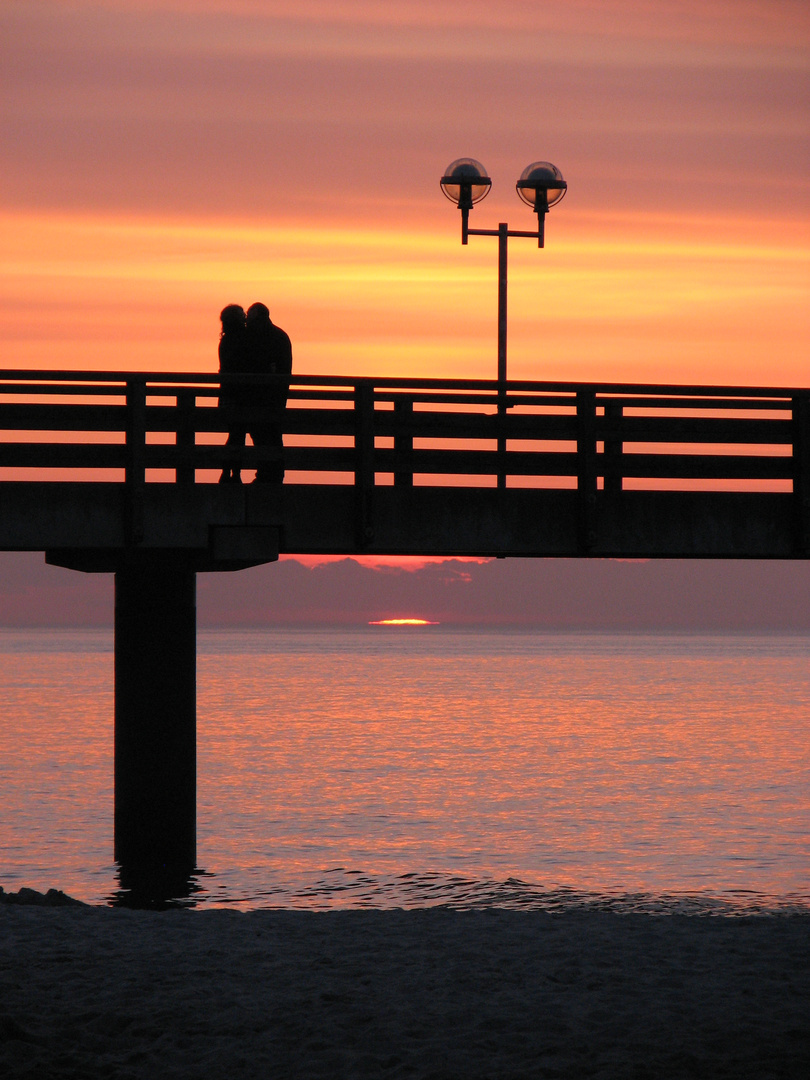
pixel 162 159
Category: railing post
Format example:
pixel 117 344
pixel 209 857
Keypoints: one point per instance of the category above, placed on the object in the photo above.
pixel 403 443
pixel 614 411
pixel 586 469
pixel 364 461
pixel 186 437
pixel 135 469
pixel 801 472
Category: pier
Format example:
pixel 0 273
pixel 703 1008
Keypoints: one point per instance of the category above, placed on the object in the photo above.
pixel 110 472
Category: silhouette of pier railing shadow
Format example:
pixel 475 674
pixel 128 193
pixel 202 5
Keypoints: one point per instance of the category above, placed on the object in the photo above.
pixel 117 472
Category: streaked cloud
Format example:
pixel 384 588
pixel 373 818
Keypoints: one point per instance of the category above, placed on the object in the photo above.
pixel 219 23
pixel 137 105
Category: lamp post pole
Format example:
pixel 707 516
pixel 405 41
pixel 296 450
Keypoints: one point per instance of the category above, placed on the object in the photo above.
pixel 503 241
pixel 540 186
pixel 503 232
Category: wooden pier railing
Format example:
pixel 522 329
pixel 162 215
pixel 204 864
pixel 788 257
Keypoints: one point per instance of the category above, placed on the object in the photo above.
pixel 605 469
pixel 143 428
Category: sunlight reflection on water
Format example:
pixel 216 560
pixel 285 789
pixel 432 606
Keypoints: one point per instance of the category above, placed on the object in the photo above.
pixel 410 767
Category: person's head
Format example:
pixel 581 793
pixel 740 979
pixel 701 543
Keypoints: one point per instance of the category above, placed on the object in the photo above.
pixel 258 313
pixel 232 317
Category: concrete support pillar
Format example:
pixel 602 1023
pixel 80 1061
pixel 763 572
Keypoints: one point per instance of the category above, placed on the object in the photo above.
pixel 155 714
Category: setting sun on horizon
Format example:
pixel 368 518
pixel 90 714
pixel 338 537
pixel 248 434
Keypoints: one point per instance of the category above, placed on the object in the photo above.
pixel 402 622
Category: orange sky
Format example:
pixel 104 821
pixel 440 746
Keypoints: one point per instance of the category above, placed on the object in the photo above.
pixel 161 159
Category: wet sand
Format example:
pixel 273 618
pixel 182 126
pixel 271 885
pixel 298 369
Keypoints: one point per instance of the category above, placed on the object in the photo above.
pixel 438 994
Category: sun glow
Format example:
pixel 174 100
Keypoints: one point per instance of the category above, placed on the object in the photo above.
pixel 640 296
pixel 402 622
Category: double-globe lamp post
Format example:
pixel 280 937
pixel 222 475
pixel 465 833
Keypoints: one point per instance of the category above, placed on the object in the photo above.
pixel 541 186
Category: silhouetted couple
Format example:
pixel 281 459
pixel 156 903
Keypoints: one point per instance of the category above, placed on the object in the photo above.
pixel 251 345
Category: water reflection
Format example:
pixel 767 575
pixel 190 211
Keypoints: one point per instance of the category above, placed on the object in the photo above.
pixel 584 768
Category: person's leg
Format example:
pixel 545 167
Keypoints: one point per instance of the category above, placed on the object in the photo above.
pixel 233 474
pixel 268 437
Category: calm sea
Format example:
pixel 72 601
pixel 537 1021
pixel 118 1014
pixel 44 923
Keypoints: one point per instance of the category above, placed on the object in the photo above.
pixel 416 766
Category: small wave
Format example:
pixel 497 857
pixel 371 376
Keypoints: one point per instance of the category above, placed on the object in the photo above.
pixel 341 888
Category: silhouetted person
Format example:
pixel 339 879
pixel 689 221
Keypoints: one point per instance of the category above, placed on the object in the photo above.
pixel 268 352
pixel 233 399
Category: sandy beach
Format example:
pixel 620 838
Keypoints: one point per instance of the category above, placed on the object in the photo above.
pixel 434 994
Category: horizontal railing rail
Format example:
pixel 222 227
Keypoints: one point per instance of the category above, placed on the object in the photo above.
pixel 593 437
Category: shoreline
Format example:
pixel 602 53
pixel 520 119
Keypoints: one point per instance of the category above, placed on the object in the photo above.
pixel 432 891
pixel 92 991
